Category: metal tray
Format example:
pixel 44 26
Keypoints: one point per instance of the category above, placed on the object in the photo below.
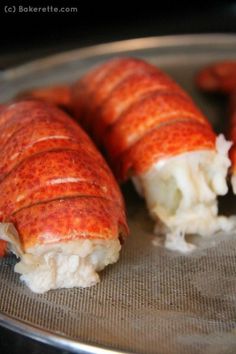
pixel 152 300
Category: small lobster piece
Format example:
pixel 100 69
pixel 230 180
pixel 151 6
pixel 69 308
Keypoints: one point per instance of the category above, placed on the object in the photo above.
pixel 220 77
pixel 59 96
pixel 61 210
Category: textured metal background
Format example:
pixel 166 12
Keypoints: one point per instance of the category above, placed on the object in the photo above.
pixel 152 300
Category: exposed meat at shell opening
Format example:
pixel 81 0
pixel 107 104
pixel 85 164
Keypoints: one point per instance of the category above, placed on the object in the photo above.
pixel 142 119
pixel 59 193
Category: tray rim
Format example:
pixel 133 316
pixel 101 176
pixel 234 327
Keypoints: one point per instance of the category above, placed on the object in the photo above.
pixel 116 47
pixel 56 340
pixel 35 332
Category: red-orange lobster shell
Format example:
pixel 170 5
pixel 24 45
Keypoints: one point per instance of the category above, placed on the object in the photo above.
pixel 220 77
pixel 139 115
pixel 141 119
pixel 54 184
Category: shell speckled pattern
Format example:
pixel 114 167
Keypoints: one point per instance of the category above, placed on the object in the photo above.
pixel 55 185
pixel 136 115
pixel 164 142
pixel 67 219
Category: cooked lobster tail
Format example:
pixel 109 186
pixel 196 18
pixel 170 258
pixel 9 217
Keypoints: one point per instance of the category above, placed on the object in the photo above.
pixel 61 197
pixel 152 131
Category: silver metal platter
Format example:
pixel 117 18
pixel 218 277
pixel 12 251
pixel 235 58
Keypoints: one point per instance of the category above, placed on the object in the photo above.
pixel 152 300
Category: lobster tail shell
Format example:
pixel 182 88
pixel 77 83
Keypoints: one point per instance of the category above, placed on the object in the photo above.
pixel 54 183
pixel 134 111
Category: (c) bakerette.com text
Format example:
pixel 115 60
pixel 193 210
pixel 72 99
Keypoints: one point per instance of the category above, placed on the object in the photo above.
pixel 40 9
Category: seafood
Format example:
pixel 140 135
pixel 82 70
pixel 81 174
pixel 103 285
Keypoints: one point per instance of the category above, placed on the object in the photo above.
pixel 58 95
pixel 232 137
pixel 3 248
pixel 220 77
pixel 61 209
pixel 152 132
